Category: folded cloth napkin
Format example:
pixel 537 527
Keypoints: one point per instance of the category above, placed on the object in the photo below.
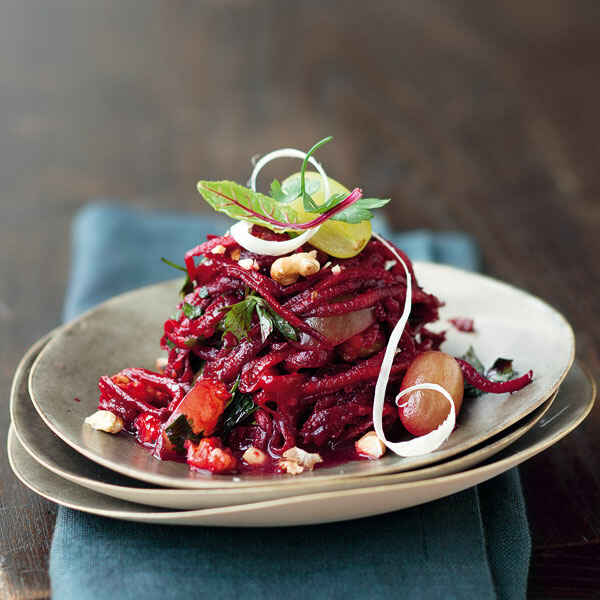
pixel 474 544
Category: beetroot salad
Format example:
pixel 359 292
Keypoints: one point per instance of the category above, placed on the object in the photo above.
pixel 301 339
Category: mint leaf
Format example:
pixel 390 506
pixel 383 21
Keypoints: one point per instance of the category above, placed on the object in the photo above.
pixel 223 195
pixel 190 311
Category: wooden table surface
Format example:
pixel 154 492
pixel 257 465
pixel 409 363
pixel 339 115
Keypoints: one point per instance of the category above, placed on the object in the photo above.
pixel 476 116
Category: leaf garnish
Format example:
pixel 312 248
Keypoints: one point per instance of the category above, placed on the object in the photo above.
pixel 501 370
pixel 276 211
pixel 238 319
pixel 172 264
pixel 239 408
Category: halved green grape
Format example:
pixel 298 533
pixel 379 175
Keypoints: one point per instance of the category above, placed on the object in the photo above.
pixel 339 239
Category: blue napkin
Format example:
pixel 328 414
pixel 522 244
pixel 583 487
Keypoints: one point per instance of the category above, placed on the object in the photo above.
pixel 474 544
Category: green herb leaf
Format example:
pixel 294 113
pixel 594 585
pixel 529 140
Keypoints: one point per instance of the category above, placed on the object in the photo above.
pixel 501 370
pixel 265 321
pixel 172 264
pixel 471 357
pixel 309 203
pixel 283 326
pixel 213 192
pixel 202 291
pixel 360 210
pixel 291 190
pixel 170 344
pixel 240 407
pixel 190 311
pixel 179 431
pixel 276 192
pixel 239 317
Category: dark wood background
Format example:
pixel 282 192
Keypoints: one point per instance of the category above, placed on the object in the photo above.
pixel 478 116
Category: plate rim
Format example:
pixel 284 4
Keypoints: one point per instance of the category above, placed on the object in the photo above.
pixel 311 485
pixel 176 517
pixel 211 481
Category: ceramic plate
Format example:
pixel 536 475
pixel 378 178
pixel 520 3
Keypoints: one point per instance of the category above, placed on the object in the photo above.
pixel 125 331
pixel 61 459
pixel 572 405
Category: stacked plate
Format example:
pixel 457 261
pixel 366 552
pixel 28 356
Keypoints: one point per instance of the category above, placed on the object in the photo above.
pixel 57 456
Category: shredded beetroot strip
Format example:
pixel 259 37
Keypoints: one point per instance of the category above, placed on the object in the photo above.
pixel 494 387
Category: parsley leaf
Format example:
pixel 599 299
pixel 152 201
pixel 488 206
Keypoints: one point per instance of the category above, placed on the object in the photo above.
pixel 240 407
pixel 283 326
pixel 239 319
pixel 239 316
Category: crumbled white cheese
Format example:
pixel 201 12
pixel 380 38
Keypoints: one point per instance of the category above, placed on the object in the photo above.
pixel 390 264
pixel 370 445
pixel 104 420
pixel 336 270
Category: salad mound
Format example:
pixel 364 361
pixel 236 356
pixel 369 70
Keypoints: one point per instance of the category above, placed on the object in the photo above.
pixel 301 339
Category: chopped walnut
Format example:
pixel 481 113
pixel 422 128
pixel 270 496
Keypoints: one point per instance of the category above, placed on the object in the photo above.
pixel 336 270
pixel 287 269
pixel 235 254
pixel 370 445
pixel 249 264
pixel 254 457
pixel 219 249
pixel 291 467
pixel 303 460
pixel 104 420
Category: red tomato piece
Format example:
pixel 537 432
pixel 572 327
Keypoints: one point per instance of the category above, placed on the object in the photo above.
pixel 202 406
pixel 210 455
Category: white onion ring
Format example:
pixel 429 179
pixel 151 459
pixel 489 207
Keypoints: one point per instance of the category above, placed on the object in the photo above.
pixel 241 231
pixel 431 441
pixel 288 153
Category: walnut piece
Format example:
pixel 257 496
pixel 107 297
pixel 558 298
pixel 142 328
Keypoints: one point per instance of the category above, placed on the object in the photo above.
pixel 104 420
pixel 287 269
pixel 254 457
pixel 370 445
pixel 295 460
